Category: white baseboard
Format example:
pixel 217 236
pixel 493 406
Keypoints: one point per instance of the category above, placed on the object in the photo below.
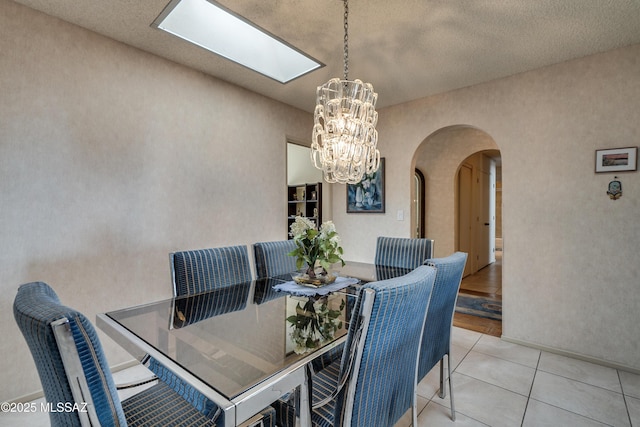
pixel 573 355
pixel 28 397
pixel 125 365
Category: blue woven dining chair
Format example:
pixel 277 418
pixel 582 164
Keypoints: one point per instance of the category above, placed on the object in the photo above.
pixel 402 252
pixel 393 254
pixel 375 382
pixel 436 341
pixel 74 371
pixel 272 258
pixel 201 270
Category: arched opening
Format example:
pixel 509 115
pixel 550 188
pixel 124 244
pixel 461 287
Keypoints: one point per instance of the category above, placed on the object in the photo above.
pixel 461 165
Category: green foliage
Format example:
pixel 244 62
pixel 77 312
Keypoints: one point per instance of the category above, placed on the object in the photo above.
pixel 315 246
pixel 314 323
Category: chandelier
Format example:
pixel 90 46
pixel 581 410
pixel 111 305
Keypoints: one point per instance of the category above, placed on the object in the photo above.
pixel 344 136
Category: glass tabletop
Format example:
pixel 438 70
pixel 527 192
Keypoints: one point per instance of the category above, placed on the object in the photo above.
pixel 235 337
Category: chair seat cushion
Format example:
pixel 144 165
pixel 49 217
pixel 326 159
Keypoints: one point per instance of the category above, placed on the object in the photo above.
pixel 194 399
pixel 324 383
pixel 159 405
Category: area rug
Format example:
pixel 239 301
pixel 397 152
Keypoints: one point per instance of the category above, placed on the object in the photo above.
pixel 479 306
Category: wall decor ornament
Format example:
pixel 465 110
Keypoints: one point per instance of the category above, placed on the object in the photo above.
pixel 615 189
pixel 617 160
pixel 367 196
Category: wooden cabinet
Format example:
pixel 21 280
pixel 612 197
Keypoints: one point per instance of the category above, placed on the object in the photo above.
pixel 304 200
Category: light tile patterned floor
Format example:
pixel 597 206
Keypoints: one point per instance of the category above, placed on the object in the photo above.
pixel 497 383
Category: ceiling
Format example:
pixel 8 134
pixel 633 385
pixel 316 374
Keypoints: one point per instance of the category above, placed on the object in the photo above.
pixel 407 49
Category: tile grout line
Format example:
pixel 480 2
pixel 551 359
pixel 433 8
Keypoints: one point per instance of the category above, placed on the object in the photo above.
pixel 538 369
pixel 624 398
pixel 459 373
pixel 535 373
pixel 621 392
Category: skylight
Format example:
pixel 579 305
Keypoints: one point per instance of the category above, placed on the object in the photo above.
pixel 211 26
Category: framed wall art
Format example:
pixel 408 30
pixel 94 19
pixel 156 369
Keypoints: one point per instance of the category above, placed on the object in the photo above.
pixel 367 196
pixel 617 160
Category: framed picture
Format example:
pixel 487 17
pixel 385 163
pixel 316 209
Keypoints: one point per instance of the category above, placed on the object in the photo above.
pixel 367 196
pixel 617 160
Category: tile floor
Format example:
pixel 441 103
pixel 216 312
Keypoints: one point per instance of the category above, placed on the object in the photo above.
pixel 497 383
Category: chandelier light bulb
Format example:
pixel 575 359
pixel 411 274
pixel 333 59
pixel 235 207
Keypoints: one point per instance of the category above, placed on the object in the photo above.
pixel 344 136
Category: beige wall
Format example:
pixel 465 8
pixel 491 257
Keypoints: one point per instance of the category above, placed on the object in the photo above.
pixel 110 158
pixel 571 268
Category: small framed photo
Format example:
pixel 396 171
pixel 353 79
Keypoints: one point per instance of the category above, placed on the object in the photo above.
pixel 617 160
pixel 368 195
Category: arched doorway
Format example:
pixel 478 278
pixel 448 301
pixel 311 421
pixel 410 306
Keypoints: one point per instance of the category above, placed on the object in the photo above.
pixel 450 159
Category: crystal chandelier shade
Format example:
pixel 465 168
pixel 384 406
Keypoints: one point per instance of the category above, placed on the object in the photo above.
pixel 345 138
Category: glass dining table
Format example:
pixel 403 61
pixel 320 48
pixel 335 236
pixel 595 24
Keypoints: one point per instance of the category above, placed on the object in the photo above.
pixel 244 346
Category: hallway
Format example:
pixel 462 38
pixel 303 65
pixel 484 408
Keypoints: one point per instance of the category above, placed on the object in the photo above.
pixel 485 283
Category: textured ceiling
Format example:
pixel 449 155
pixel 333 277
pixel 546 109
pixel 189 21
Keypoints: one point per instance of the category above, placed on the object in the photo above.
pixel 407 49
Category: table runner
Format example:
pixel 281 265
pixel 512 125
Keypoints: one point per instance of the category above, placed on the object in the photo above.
pixel 296 289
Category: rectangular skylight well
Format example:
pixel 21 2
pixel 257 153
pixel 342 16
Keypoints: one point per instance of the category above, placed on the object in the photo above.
pixel 211 26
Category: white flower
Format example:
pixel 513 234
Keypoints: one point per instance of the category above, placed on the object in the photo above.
pixel 315 246
pixel 300 226
pixel 336 240
pixel 327 228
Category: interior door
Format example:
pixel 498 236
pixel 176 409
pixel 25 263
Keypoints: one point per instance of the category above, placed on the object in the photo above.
pixel 487 223
pixel 465 215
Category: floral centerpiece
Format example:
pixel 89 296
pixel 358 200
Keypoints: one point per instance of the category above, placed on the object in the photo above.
pixel 314 324
pixel 318 249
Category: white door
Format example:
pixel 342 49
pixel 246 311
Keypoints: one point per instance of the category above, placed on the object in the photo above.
pixel 465 215
pixel 486 220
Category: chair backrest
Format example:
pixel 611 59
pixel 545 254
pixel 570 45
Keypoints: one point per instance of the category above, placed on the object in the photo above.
pixel 402 252
pixel 437 330
pixel 191 309
pixel 69 358
pixel 272 258
pixel 381 351
pixel 206 269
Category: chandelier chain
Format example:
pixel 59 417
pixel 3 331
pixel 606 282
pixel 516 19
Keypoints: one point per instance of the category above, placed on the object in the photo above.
pixel 346 39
